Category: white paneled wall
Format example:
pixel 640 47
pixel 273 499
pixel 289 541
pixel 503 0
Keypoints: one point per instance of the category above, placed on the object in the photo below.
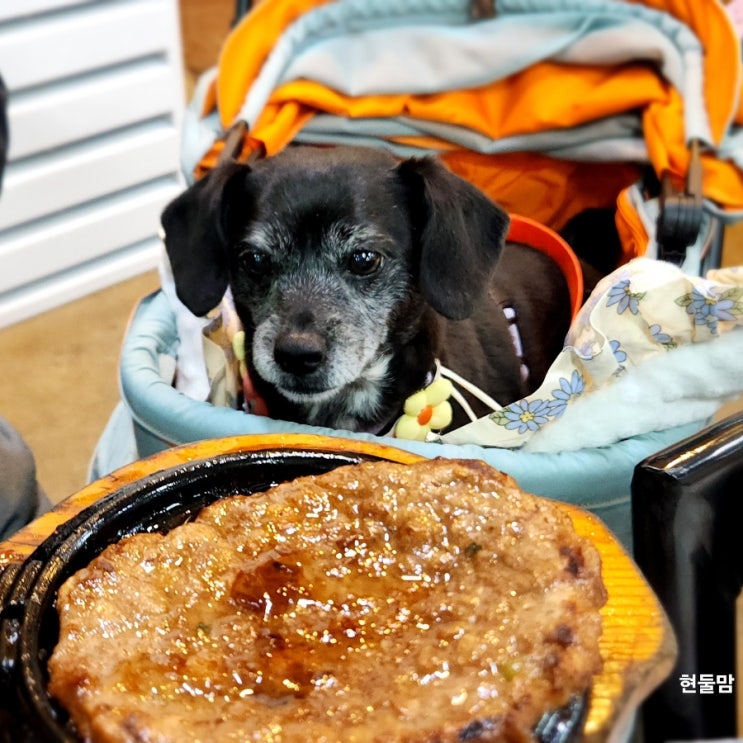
pixel 95 103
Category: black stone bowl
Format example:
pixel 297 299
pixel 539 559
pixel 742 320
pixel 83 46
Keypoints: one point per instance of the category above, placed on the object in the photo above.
pixel 29 627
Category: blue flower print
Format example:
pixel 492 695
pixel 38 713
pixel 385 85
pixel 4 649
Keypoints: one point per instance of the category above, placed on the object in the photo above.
pixel 526 415
pixel 619 355
pixel 724 309
pixel 621 296
pixel 659 336
pixel 701 307
pixel 664 339
pixel 569 388
pixel 707 309
pixel 585 350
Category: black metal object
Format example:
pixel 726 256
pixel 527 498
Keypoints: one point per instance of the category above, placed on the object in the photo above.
pixel 687 503
pixel 4 134
pixel 29 626
pixel 680 217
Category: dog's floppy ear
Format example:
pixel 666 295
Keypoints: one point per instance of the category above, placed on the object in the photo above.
pixel 460 232
pixel 195 237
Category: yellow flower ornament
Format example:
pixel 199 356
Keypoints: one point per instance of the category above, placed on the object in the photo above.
pixel 425 411
pixel 238 347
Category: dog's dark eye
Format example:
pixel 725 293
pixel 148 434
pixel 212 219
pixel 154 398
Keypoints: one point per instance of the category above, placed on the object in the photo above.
pixel 364 262
pixel 256 262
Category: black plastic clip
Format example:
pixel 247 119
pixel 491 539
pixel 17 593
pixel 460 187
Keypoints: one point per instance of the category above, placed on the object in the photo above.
pixel 680 217
pixel 233 142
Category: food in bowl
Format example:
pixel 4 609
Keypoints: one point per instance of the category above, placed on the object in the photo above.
pixel 376 602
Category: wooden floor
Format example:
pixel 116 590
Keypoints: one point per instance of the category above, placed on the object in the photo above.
pixel 60 380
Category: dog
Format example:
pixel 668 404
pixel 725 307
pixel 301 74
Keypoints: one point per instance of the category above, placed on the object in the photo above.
pixel 355 273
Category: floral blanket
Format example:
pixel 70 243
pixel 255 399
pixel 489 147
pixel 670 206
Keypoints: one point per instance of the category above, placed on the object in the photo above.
pixel 651 348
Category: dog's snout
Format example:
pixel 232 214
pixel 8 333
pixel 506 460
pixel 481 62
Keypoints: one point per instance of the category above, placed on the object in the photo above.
pixel 299 352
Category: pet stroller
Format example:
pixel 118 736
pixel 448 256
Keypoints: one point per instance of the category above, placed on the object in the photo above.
pixel 561 111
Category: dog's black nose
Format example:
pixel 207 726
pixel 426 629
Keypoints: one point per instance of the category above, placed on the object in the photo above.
pixel 299 352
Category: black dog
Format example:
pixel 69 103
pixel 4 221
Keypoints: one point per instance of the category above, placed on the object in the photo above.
pixel 352 273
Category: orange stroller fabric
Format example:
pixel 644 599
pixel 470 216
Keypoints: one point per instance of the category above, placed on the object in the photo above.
pixel 543 97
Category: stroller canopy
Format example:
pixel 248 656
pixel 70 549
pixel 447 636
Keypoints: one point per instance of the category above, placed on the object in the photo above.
pixel 530 102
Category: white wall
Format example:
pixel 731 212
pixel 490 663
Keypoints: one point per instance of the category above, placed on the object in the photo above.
pixel 95 103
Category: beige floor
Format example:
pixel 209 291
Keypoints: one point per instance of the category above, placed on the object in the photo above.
pixel 60 380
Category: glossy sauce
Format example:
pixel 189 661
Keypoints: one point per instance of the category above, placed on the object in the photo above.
pixel 370 607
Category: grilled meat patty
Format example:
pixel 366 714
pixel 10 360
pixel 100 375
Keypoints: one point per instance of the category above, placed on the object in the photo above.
pixel 377 602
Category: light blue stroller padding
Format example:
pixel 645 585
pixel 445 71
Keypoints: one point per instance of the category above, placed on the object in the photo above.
pixel 154 416
pixel 620 136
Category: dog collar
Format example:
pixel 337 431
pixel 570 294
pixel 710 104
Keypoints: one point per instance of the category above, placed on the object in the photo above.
pixel 509 313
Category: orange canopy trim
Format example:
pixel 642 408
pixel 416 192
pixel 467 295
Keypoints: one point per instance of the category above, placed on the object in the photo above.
pixel 544 97
pixel 632 234
pixel 528 232
pixel 530 101
pixel 544 189
pixel 248 46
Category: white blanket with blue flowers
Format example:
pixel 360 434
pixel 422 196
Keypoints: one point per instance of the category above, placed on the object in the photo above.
pixel 651 348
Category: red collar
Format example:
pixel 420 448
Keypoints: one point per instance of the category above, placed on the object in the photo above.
pixel 254 403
